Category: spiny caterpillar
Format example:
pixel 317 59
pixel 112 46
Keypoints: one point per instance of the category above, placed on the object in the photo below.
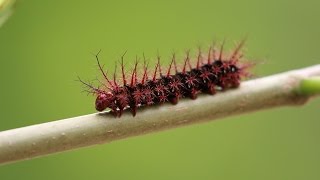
pixel 217 72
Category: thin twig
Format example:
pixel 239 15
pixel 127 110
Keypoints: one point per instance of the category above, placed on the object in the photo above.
pixel 6 9
pixel 48 138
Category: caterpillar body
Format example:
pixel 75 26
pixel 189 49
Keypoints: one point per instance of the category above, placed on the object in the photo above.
pixel 215 73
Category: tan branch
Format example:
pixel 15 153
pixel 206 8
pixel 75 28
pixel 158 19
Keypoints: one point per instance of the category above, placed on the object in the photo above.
pixel 57 136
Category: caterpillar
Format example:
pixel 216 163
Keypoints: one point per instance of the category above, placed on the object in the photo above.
pixel 217 72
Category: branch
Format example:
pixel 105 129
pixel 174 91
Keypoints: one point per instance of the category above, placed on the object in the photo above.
pixel 289 88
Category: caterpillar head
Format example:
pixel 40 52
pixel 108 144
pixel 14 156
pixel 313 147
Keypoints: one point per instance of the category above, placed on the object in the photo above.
pixel 103 100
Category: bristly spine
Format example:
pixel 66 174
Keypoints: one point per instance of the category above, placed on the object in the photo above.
pixel 217 72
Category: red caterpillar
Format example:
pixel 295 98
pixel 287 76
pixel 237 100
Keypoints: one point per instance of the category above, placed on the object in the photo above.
pixel 216 73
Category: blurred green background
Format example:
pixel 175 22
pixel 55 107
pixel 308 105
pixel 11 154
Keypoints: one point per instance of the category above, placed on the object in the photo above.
pixel 46 44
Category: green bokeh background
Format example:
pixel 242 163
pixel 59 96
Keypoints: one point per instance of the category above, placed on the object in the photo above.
pixel 46 44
